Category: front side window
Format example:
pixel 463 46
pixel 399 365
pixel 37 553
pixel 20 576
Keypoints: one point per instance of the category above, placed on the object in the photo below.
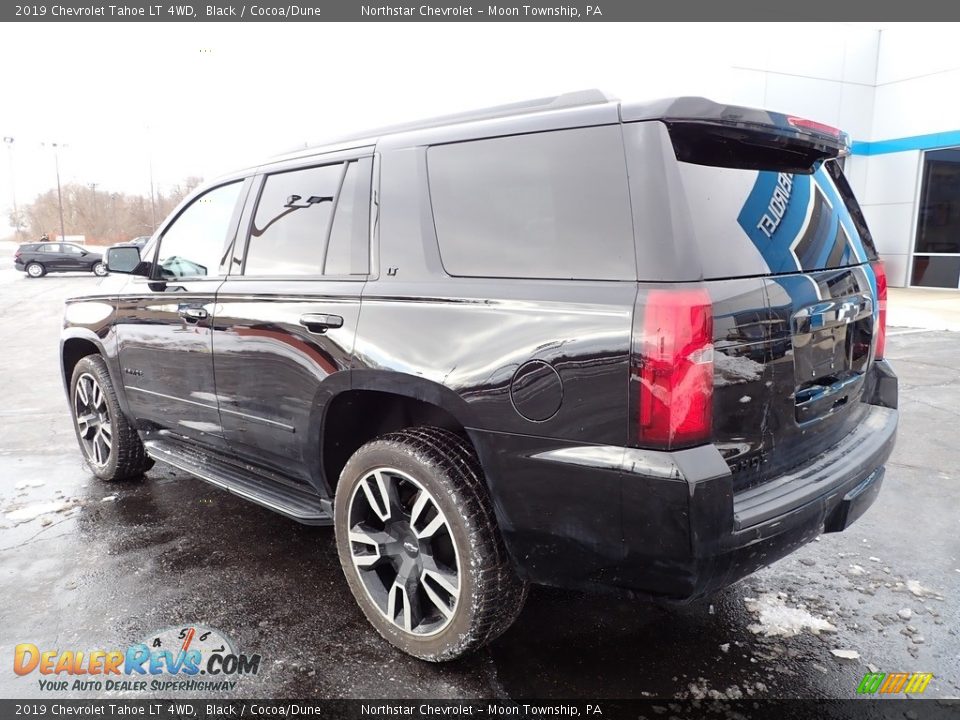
pixel 312 222
pixel 193 245
pixel 72 250
pixel 548 205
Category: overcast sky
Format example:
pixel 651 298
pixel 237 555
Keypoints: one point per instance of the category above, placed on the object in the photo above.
pixel 201 99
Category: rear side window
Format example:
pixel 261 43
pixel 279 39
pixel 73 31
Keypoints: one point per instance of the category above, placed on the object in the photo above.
pixel 548 205
pixel 758 222
pixel 312 222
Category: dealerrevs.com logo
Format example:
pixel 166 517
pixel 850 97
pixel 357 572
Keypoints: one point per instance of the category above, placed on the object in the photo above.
pixel 192 658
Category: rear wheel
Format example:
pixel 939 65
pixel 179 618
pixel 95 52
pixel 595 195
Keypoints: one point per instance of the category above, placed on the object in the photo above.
pixel 100 269
pixel 420 547
pixel 36 270
pixel 110 445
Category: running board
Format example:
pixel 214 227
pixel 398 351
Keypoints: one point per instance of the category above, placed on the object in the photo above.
pixel 300 505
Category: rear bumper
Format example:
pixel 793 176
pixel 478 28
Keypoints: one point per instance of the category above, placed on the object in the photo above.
pixel 19 265
pixel 669 524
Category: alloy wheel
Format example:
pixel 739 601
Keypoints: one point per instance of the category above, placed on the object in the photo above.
pixel 35 271
pixel 92 415
pixel 100 269
pixel 403 551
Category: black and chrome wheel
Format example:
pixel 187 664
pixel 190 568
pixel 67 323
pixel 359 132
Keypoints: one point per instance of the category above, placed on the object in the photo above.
pixel 419 545
pixel 36 270
pixel 110 445
pixel 100 269
pixel 94 424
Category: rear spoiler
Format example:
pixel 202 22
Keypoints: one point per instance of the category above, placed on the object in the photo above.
pixel 709 133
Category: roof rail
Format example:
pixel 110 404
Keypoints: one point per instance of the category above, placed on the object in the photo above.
pixel 578 98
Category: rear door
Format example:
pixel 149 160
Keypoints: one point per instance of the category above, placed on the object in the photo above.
pixel 775 232
pixel 287 316
pixel 52 256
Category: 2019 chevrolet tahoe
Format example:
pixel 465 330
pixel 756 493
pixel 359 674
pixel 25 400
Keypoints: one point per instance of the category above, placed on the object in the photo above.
pixel 573 341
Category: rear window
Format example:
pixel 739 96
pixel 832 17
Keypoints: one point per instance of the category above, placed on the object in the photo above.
pixel 758 222
pixel 547 205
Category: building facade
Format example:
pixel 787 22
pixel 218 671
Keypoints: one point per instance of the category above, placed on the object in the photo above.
pixel 895 91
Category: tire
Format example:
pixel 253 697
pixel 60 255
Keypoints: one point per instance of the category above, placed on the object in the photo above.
pixel 114 455
pixel 463 565
pixel 35 270
pixel 100 269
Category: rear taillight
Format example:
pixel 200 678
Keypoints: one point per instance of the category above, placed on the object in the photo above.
pixel 16 255
pixel 676 368
pixel 881 330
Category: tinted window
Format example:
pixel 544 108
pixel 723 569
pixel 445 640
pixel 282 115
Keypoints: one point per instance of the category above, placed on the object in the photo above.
pixel 312 222
pixel 550 205
pixel 348 251
pixel 49 248
pixel 193 245
pixel 71 249
pixel 750 222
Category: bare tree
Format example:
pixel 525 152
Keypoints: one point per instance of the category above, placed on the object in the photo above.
pixel 103 217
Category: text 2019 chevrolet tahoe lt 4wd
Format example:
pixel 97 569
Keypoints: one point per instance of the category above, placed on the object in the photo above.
pixel 571 341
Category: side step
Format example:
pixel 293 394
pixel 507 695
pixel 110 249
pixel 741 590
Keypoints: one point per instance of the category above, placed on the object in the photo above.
pixel 300 505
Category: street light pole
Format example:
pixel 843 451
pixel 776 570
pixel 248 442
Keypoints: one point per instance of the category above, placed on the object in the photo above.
pixel 13 187
pixel 56 159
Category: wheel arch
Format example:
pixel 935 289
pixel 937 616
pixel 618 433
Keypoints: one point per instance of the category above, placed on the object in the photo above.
pixel 378 402
pixel 77 343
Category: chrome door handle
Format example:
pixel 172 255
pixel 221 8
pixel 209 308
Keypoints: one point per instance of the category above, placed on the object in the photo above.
pixel 320 323
pixel 193 314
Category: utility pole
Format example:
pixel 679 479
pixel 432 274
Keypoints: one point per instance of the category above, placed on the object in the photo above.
pixel 153 202
pixel 56 159
pixel 94 223
pixel 13 187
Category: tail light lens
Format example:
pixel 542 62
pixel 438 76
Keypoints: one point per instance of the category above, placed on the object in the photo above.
pixel 881 330
pixel 676 369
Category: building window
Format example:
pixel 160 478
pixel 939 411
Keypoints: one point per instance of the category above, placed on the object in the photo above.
pixel 936 257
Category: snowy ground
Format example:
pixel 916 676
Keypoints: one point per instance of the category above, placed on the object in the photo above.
pixel 84 566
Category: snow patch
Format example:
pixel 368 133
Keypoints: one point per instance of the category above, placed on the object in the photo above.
pixel 845 654
pixel 735 370
pixel 775 618
pixel 919 590
pixel 32 512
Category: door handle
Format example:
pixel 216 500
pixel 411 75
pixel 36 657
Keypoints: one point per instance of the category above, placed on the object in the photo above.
pixel 320 323
pixel 193 314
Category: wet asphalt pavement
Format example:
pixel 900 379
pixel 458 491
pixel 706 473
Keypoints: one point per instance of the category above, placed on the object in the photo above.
pixel 169 550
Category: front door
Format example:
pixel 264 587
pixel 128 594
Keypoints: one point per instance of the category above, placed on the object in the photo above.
pixel 73 257
pixel 286 322
pixel 163 323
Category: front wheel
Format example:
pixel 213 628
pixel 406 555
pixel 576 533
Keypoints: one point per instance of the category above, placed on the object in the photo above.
pixel 110 445
pixel 100 269
pixel 419 545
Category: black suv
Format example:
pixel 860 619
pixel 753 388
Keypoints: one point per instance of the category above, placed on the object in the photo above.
pixel 572 342
pixel 38 259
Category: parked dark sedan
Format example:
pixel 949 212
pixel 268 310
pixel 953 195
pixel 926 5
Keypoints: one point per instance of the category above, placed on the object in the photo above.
pixel 37 259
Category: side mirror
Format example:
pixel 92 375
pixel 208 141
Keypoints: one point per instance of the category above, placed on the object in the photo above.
pixel 123 260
